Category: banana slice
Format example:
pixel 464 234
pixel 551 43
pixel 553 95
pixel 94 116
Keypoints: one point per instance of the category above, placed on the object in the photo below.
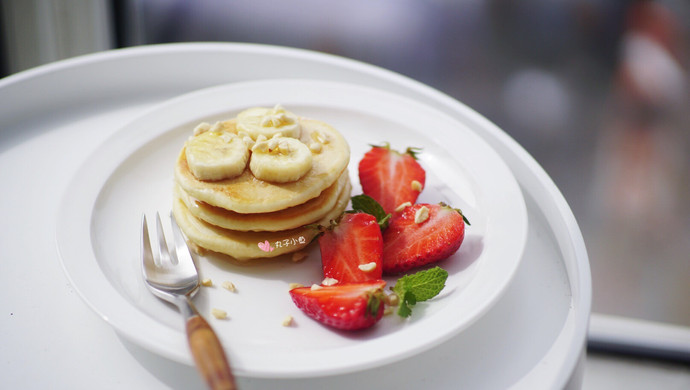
pixel 216 155
pixel 280 160
pixel 268 122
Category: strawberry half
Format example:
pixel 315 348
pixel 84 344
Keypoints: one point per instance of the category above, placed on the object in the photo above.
pixel 391 177
pixel 412 240
pixel 347 306
pixel 352 248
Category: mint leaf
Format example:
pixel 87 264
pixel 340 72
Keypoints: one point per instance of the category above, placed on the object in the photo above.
pixel 369 205
pixel 406 301
pixel 419 287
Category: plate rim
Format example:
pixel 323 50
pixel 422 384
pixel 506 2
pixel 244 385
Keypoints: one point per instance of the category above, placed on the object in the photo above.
pixel 153 345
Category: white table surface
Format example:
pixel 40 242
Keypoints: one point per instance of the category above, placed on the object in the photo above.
pixel 536 332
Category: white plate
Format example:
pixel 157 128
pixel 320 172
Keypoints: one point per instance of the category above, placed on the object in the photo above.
pixel 131 174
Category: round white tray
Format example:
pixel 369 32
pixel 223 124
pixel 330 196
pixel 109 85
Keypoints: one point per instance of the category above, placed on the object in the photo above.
pixel 534 337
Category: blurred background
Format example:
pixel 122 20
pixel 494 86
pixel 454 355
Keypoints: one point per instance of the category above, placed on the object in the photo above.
pixel 595 90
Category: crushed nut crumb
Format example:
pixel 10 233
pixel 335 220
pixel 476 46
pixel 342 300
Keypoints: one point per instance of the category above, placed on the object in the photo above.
pixel 368 267
pixel 227 137
pixel 402 206
pixel 315 287
pixel 284 147
pixel 217 127
pixel 329 282
pixel 206 282
pixel 229 286
pixel 287 321
pixel 202 128
pixel 315 147
pixel 392 299
pixel 219 314
pixel 417 186
pixel 295 285
pixel 248 141
pixel 272 144
pixel 421 215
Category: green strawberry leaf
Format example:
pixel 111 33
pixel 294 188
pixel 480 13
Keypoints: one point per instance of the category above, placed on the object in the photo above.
pixel 418 287
pixel 373 304
pixel 413 152
pixel 369 205
pixel 467 221
pixel 385 145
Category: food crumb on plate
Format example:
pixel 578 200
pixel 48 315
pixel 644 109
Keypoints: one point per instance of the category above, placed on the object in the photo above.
pixel 287 321
pixel 229 286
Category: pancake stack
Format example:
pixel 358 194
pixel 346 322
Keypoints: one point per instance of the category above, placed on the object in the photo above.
pixel 253 186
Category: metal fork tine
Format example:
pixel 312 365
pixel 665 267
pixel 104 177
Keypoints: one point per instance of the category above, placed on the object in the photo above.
pixel 146 251
pixel 164 253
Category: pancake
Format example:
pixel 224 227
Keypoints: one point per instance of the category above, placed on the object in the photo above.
pixel 290 218
pixel 248 245
pixel 246 194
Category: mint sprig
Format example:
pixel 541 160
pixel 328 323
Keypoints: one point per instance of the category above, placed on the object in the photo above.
pixel 367 204
pixel 419 287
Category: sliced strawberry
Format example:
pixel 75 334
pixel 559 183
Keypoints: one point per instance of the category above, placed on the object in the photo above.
pixel 389 177
pixel 348 306
pixel 350 246
pixel 409 244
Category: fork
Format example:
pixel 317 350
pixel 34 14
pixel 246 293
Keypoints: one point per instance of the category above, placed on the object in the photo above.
pixel 172 276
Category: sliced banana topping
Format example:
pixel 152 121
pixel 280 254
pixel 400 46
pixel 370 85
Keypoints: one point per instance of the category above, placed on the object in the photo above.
pixel 280 160
pixel 216 155
pixel 268 122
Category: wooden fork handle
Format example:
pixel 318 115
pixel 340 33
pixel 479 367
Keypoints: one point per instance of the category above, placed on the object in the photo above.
pixel 208 354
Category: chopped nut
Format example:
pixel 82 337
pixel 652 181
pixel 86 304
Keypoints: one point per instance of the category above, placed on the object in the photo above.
pixel 202 128
pixel 248 141
pixel 319 137
pixel 219 314
pixel 272 144
pixel 206 282
pixel 402 206
pixel 315 287
pixel 329 282
pixel 261 138
pixel 227 137
pixel 278 134
pixel 368 267
pixel 421 215
pixel 217 127
pixel 284 147
pixel 315 147
pixel 417 186
pixel 269 121
pixel 229 286
pixel 295 285
pixel 298 256
pixel 392 299
pixel 260 146
pixel 287 321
